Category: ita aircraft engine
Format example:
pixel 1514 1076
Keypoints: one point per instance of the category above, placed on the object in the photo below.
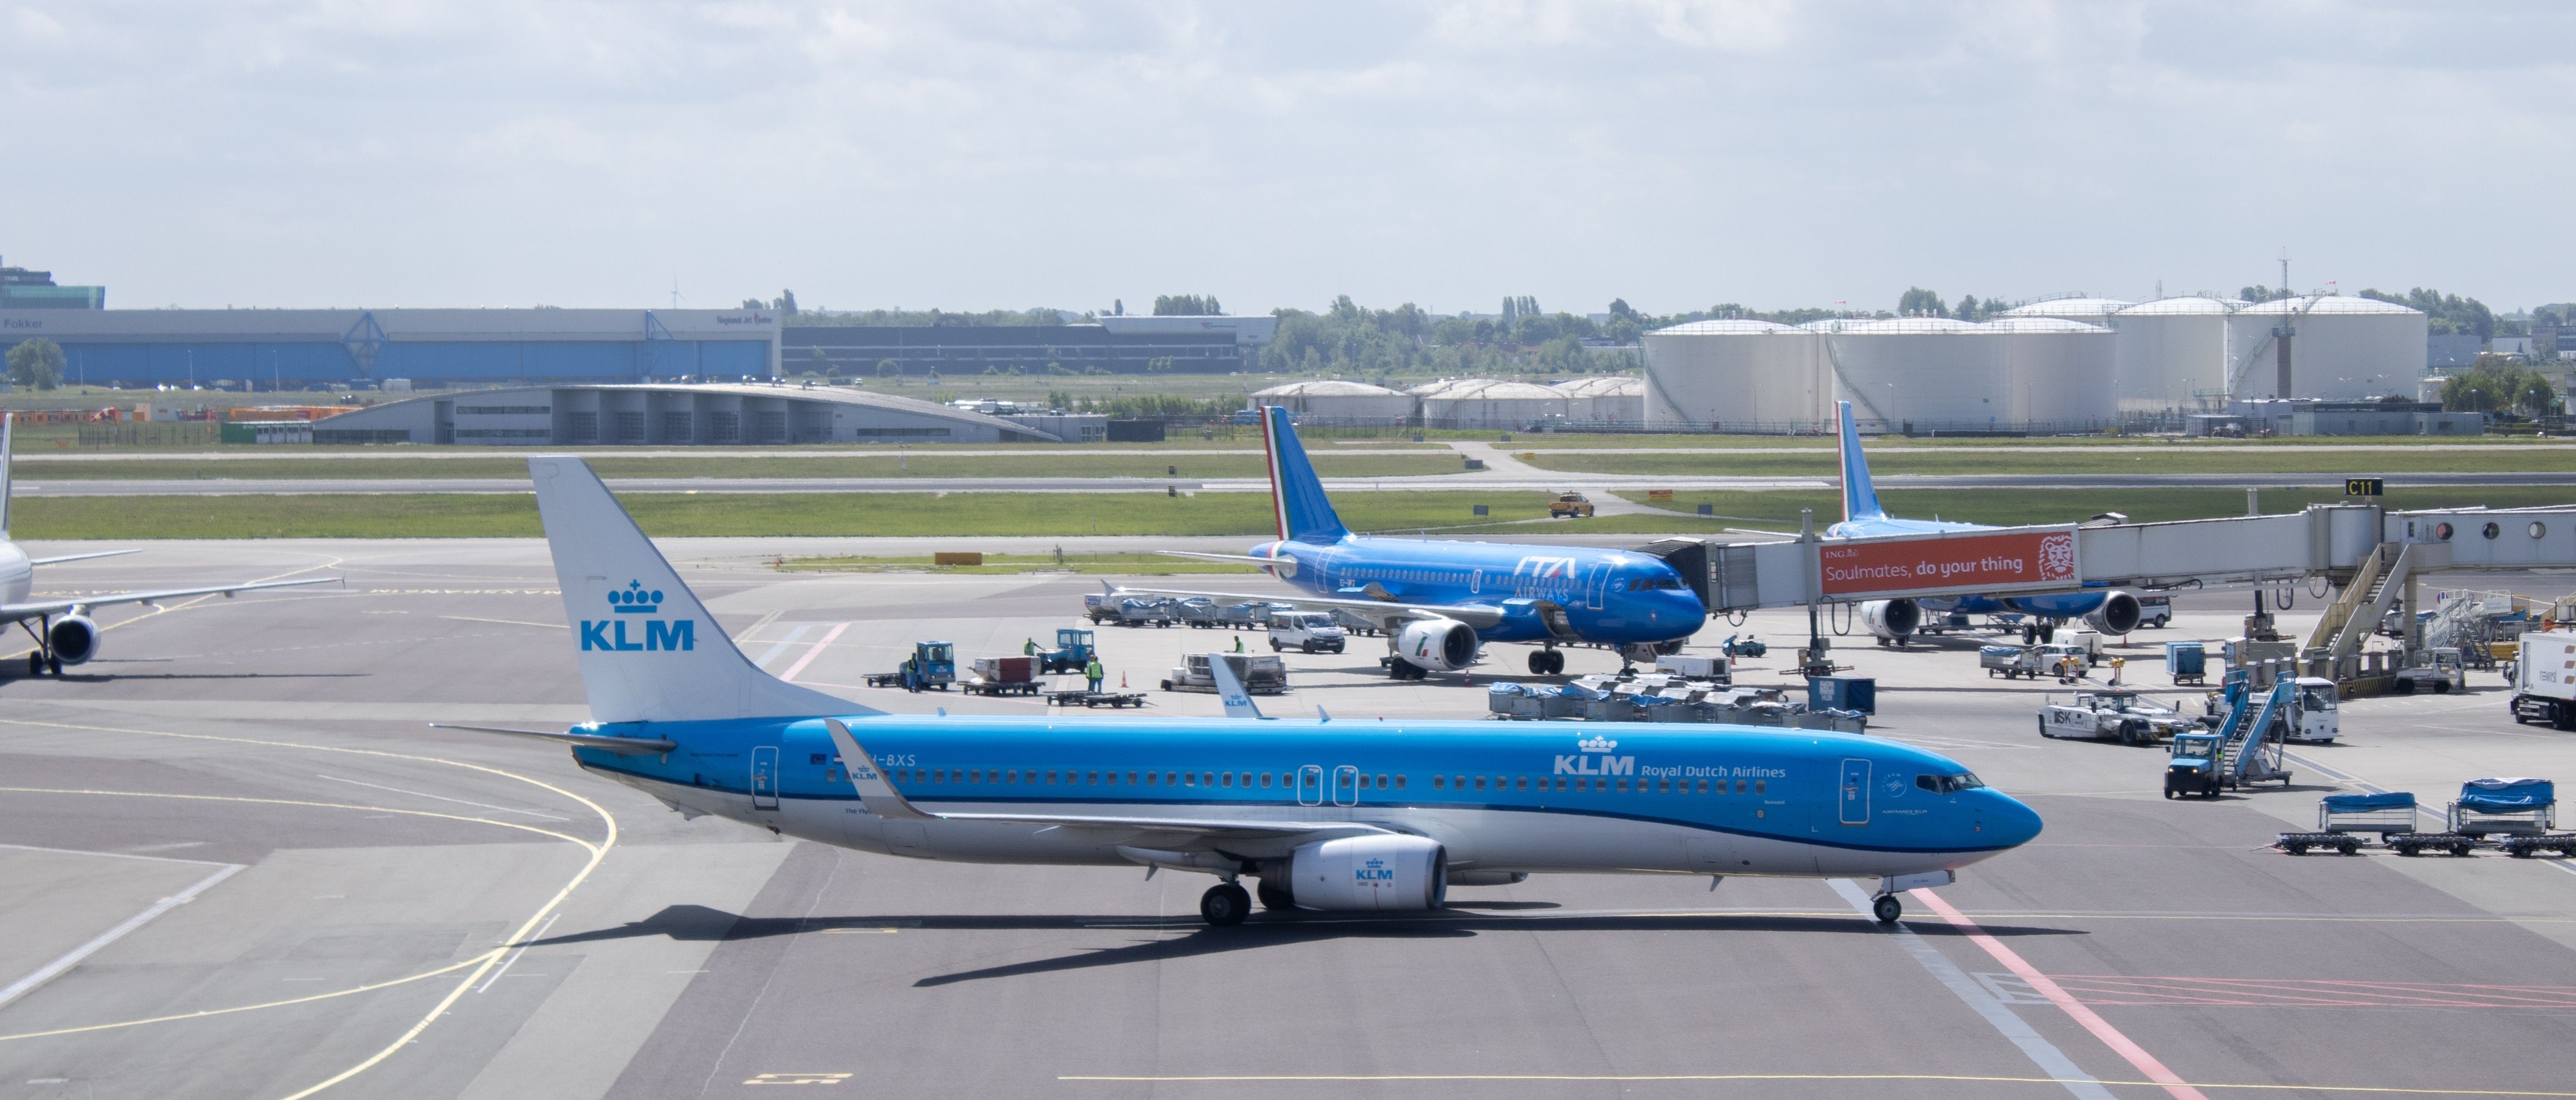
pixel 1438 645
pixel 1370 874
pixel 1892 620
pixel 2119 614
pixel 73 639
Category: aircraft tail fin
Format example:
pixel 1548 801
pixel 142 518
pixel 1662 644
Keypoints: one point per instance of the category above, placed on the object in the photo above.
pixel 1296 494
pixel 1860 498
pixel 650 652
pixel 1229 688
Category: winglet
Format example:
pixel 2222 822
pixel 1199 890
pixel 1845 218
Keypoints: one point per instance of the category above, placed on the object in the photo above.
pixel 1860 498
pixel 1305 513
pixel 875 793
pixel 1229 688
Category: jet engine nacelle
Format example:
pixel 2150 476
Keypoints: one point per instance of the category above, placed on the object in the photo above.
pixel 2119 614
pixel 73 638
pixel 1441 645
pixel 1897 619
pixel 1370 874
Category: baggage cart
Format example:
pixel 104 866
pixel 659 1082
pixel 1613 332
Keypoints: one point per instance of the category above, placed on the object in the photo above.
pixel 2520 806
pixel 2416 844
pixel 1081 698
pixel 1003 676
pixel 2525 847
pixel 2342 818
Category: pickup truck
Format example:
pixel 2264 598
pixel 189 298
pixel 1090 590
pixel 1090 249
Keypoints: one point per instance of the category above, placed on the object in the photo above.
pixel 2122 716
pixel 1306 632
pixel 1570 506
pixel 2442 672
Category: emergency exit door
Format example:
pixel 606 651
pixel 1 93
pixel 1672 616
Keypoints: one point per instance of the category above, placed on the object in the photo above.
pixel 1855 792
pixel 764 777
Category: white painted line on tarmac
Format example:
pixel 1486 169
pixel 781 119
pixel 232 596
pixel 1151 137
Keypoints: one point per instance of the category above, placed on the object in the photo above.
pixel 771 654
pixel 121 855
pixel 810 654
pixel 522 949
pixel 444 798
pixel 1984 1003
pixel 72 958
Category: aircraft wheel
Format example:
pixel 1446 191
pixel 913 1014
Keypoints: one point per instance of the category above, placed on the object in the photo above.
pixel 1224 904
pixel 1887 909
pixel 54 666
pixel 35 664
pixel 1538 662
pixel 1274 895
pixel 1555 661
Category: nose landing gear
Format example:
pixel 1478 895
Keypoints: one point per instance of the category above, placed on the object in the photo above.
pixel 1887 909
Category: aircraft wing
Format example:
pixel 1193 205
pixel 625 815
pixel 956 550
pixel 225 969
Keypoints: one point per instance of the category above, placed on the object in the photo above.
pixel 1285 567
pixel 58 559
pixel 1476 615
pixel 31 608
pixel 884 801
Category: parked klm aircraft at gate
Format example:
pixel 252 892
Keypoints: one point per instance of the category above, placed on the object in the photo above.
pixel 1439 602
pixel 1325 815
pixel 63 631
pixel 2104 609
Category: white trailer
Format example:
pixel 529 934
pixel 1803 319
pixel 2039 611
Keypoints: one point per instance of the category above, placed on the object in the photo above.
pixel 2544 679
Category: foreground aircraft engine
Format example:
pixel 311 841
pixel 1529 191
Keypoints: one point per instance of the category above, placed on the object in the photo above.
pixel 1370 874
pixel 73 639
pixel 1440 645
pixel 1893 619
pixel 2119 614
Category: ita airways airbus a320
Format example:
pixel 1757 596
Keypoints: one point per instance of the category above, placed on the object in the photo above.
pixel 63 630
pixel 1324 815
pixel 1439 602
pixel 2104 609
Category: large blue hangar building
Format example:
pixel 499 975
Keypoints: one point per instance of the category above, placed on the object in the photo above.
pixel 434 348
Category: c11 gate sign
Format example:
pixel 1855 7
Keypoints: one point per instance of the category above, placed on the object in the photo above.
pixel 1959 563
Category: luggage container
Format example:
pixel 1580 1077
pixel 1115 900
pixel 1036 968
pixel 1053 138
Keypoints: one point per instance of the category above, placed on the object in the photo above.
pixel 2186 662
pixel 2520 806
pixel 1853 693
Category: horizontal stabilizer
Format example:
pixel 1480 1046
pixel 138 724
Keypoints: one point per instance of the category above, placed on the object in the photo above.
pixel 1285 567
pixel 623 746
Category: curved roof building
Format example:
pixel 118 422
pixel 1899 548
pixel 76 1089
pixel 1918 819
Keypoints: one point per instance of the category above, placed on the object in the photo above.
pixel 671 416
pixel 1338 400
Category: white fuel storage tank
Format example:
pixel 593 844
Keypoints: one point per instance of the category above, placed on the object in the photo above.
pixel 2171 353
pixel 2057 373
pixel 1925 374
pixel 1736 375
pixel 2341 348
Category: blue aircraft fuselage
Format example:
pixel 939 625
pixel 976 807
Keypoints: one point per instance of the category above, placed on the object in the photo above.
pixel 1547 593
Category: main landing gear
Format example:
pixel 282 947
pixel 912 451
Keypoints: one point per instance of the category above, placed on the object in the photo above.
pixel 1887 909
pixel 1227 904
pixel 42 659
pixel 1546 662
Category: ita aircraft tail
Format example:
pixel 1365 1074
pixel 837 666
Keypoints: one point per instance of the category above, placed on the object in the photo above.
pixel 1860 498
pixel 1305 513
pixel 650 652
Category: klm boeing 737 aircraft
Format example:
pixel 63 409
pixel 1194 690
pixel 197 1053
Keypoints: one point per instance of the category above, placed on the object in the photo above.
pixel 1325 815
pixel 2105 610
pixel 63 630
pixel 1439 602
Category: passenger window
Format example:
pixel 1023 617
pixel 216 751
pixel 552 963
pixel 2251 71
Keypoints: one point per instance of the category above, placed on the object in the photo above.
pixel 1095 777
pixel 1399 782
pixel 1149 779
pixel 1229 779
pixel 1663 786
pixel 939 775
pixel 1623 786
pixel 1131 779
pixel 1480 782
pixel 1703 786
pixel 1521 784
pixel 1113 779
pixel 1364 781
pixel 1265 779
pixel 1739 786
pixel 1381 781
pixel 1190 779
pixel 1439 782
pixel 1209 779
pixel 1050 777
pixel 1460 780
pixel 975 775
pixel 1759 785
pixel 831 775
pixel 1247 779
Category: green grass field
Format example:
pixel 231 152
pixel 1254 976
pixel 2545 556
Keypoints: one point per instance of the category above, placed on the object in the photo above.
pixel 459 515
pixel 810 464
pixel 1120 565
pixel 2176 458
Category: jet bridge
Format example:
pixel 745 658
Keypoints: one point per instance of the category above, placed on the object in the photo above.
pixel 2373 553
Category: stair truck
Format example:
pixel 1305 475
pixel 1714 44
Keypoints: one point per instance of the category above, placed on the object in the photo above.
pixel 2244 750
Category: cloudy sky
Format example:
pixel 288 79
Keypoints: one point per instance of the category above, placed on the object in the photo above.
pixel 1674 152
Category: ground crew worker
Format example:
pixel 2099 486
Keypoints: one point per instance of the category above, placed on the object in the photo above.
pixel 1094 673
pixel 1029 648
pixel 1238 643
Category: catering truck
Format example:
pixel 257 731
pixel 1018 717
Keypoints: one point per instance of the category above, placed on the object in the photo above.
pixel 2544 679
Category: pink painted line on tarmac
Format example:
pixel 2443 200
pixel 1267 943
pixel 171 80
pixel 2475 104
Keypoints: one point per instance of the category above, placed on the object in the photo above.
pixel 2093 1022
pixel 810 654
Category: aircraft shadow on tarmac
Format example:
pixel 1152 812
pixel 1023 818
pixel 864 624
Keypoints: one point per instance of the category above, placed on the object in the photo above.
pixel 146 677
pixel 698 923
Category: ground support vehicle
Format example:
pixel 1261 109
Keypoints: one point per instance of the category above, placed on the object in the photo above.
pixel 1260 674
pixel 1200 613
pixel 2123 716
pixel 2010 661
pixel 2342 818
pixel 2318 717
pixel 1146 611
pixel 2441 673
pixel 2192 768
pixel 1003 676
pixel 2155 611
pixel 1078 697
pixel 2244 750
pixel 932 668
pixel 1664 697
pixel 1073 650
pixel 1099 608
pixel 1740 646
pixel 2416 844
pixel 1356 624
pixel 2525 847
pixel 2187 663
pixel 1570 506
pixel 1306 632
pixel 2544 680
pixel 2519 807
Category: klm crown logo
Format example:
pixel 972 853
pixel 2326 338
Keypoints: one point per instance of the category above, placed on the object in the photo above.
pixel 1596 744
pixel 660 635
pixel 1375 870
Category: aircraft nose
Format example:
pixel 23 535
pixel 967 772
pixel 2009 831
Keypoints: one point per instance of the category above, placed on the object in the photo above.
pixel 1683 609
pixel 2008 821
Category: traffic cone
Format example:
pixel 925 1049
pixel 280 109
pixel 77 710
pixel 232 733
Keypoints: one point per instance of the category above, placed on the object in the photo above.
pixel 1122 681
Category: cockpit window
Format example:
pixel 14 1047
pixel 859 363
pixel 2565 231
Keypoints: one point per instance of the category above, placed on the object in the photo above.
pixel 1949 784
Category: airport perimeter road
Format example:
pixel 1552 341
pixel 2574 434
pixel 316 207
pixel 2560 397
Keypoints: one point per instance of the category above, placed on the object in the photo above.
pixel 1525 479
pixel 426 913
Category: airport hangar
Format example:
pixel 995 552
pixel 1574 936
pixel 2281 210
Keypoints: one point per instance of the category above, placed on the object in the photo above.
pixel 665 414
pixel 272 349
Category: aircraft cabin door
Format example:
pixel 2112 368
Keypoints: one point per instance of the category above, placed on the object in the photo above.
pixel 1855 792
pixel 1594 592
pixel 1310 785
pixel 1346 786
pixel 764 777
